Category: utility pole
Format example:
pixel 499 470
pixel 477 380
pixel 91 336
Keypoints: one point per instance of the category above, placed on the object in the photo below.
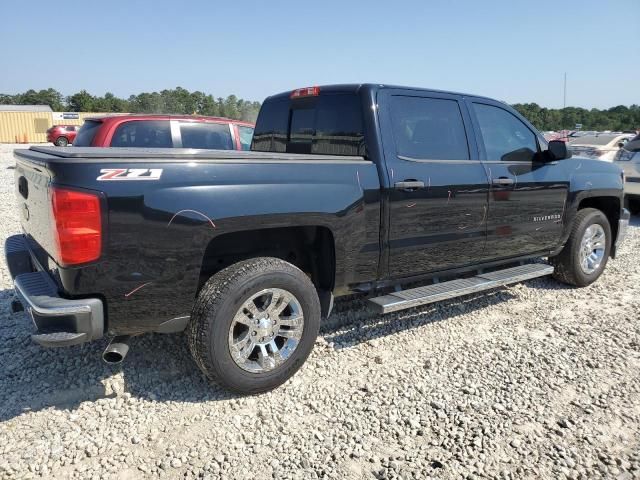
pixel 564 102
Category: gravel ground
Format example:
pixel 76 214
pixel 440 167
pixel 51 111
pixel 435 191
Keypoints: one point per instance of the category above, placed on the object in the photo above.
pixel 534 381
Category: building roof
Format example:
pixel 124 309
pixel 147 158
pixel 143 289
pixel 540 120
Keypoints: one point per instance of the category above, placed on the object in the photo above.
pixel 25 108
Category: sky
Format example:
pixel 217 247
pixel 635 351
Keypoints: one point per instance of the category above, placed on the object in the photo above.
pixel 513 50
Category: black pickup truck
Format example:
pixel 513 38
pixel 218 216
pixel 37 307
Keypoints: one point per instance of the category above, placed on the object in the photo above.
pixel 347 188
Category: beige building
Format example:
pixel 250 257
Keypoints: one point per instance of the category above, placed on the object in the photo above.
pixel 29 123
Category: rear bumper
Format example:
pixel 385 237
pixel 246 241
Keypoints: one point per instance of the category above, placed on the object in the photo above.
pixel 60 322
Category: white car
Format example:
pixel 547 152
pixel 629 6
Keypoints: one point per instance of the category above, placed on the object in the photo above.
pixel 628 159
pixel 601 146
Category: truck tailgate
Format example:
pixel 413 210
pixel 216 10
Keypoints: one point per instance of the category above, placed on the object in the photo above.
pixel 34 204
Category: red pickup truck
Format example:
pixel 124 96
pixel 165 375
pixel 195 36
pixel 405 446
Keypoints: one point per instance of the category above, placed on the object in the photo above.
pixel 165 131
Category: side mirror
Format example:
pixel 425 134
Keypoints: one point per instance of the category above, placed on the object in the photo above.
pixel 621 144
pixel 558 150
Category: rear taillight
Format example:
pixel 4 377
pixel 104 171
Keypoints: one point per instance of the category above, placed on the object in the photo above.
pixel 77 226
pixel 305 92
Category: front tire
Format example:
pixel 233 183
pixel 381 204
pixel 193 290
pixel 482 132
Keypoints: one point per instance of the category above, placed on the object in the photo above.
pixel 583 258
pixel 61 142
pixel 254 324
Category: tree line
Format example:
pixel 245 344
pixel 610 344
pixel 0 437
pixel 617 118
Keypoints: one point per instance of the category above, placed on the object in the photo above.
pixel 616 119
pixel 176 101
pixel 182 101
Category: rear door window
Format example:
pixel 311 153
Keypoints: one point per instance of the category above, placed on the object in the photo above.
pixel 428 128
pixel 329 124
pixel 87 133
pixel 216 136
pixel 143 134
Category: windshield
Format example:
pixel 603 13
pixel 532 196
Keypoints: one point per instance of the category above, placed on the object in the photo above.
pixel 87 133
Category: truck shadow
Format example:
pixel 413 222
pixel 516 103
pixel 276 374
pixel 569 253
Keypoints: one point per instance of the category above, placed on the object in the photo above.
pixel 32 378
pixel 159 368
pixel 353 323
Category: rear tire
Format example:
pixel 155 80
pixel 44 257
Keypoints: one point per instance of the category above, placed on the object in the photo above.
pixel 572 265
pixel 222 301
pixel 61 142
pixel 634 205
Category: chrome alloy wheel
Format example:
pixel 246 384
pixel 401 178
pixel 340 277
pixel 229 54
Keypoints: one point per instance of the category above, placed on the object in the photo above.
pixel 592 248
pixel 266 330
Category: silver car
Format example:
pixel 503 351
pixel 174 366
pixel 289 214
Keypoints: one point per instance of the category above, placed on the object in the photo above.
pixel 628 159
pixel 601 146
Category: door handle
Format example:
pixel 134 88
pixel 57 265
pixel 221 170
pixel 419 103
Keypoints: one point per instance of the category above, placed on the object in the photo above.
pixel 409 185
pixel 502 181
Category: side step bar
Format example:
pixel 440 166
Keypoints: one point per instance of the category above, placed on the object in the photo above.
pixel 457 288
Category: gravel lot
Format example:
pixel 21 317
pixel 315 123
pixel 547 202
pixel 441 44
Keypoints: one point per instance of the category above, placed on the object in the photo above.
pixel 534 381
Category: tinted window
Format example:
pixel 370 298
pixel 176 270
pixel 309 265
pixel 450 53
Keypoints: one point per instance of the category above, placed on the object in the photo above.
pixel 87 133
pixel 246 134
pixel 505 137
pixel 303 123
pixel 215 136
pixel 339 129
pixel 428 128
pixel 272 127
pixel 327 125
pixel 143 133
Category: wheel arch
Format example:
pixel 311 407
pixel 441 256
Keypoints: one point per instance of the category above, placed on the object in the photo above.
pixel 311 248
pixel 611 207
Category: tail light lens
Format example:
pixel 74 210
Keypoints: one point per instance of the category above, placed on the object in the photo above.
pixel 305 92
pixel 78 226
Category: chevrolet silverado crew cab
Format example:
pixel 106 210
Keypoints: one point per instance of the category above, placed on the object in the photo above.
pixel 347 188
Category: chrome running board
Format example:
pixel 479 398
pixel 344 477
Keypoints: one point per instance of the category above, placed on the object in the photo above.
pixel 455 288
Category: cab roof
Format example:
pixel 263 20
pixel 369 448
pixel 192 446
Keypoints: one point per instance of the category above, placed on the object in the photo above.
pixel 147 116
pixel 355 88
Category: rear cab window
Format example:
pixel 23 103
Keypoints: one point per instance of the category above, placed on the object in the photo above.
pixel 325 124
pixel 143 133
pixel 87 133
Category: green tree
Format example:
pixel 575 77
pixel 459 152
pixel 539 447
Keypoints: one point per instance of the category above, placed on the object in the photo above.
pixel 81 102
pixel 231 107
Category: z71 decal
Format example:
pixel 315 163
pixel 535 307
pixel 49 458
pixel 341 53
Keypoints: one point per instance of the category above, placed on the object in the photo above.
pixel 130 174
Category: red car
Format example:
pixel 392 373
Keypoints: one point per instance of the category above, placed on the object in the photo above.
pixel 165 131
pixel 62 135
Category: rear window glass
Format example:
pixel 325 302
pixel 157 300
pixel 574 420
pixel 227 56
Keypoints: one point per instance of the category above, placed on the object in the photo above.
pixel 323 125
pixel 143 133
pixel 87 133
pixel 216 136
pixel 246 135
pixel 428 128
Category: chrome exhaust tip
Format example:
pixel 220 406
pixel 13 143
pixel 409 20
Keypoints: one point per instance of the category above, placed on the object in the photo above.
pixel 116 350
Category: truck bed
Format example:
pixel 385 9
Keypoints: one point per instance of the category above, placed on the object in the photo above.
pixel 157 233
